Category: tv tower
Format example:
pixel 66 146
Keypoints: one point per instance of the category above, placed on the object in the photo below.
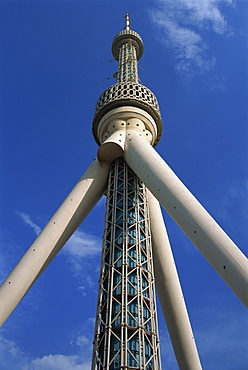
pixel 136 253
pixel 126 334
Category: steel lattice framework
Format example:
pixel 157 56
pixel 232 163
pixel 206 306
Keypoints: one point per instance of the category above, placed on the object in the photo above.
pixel 126 334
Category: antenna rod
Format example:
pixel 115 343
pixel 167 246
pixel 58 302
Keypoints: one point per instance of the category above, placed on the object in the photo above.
pixel 127 25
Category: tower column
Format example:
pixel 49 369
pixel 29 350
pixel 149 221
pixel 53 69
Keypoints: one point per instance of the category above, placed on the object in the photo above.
pixel 170 293
pixel 126 335
pixel 55 234
pixel 220 251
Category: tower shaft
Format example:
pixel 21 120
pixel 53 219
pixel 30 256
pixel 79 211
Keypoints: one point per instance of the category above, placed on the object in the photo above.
pixel 126 327
pixel 127 66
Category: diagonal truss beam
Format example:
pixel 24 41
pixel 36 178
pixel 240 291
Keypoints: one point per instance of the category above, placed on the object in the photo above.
pixel 220 251
pixel 170 293
pixel 58 230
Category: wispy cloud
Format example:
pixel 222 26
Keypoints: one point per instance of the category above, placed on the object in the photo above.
pixel 182 25
pixel 13 357
pixel 81 250
pixel 81 247
pixel 28 221
pixel 82 341
pixel 9 347
pixel 225 335
pixel 82 244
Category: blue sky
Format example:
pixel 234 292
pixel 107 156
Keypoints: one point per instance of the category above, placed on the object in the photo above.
pixel 54 66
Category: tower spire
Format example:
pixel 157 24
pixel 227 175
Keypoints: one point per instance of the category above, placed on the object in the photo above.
pixel 127 25
pixel 127 49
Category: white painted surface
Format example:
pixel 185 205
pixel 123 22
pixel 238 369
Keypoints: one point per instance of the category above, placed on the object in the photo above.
pixel 170 293
pixel 58 230
pixel 220 251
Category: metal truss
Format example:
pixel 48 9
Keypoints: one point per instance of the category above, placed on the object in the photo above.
pixel 126 334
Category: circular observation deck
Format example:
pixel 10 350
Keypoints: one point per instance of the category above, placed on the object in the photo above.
pixel 124 37
pixel 127 94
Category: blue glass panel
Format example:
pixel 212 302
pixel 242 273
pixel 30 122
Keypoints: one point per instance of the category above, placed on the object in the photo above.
pixel 132 253
pixel 116 280
pixel 119 197
pixel 145 285
pixel 114 348
pixel 133 346
pixel 133 309
pixel 131 217
pixel 147 349
pixel 131 322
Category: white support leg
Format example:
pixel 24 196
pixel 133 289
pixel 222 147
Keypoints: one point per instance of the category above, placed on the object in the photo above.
pixel 170 293
pixel 225 257
pixel 58 230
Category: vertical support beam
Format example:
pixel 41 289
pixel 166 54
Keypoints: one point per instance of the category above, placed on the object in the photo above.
pixel 58 230
pixel 170 293
pixel 220 251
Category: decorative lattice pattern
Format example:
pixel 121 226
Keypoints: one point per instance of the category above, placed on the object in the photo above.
pixel 126 329
pixel 128 91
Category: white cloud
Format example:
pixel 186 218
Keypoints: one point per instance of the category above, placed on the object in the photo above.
pixel 206 13
pixel 9 347
pixel 59 362
pixel 27 220
pixel 79 249
pixel 226 335
pixel 81 290
pixel 181 24
pixel 83 342
pixel 13 357
pixel 82 244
